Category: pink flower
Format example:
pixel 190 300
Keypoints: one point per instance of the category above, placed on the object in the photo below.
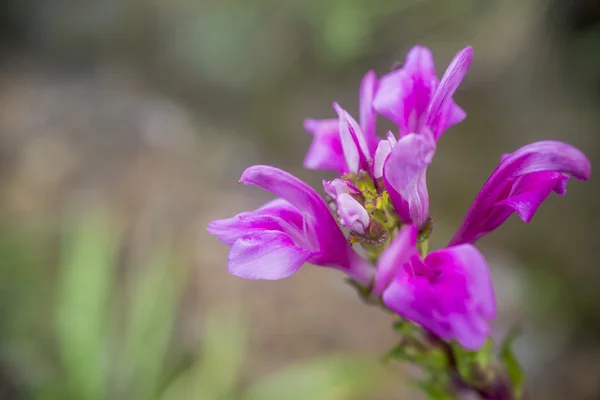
pixel 416 100
pixel 522 181
pixel 274 241
pixel 449 293
pixel 423 108
pixel 326 149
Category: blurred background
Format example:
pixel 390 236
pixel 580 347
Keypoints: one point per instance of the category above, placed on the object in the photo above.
pixel 124 126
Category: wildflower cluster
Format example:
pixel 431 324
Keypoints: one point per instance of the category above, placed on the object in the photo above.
pixel 445 298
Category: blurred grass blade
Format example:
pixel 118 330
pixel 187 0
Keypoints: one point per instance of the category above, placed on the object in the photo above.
pixel 330 378
pixel 84 290
pixel 215 375
pixel 153 305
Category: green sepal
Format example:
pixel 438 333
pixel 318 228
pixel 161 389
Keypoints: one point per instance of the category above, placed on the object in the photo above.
pixel 435 389
pixel 416 347
pixel 475 367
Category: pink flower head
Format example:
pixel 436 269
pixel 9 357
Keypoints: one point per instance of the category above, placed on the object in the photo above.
pixel 522 181
pixel 423 108
pixel 449 293
pixel 326 151
pixel 416 100
pixel 274 241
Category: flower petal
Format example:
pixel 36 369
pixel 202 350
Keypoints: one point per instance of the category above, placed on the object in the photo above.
pixel 268 255
pixel 321 229
pixel 352 214
pixel 415 300
pixel 277 214
pixel 403 95
pixel 325 152
pixel 510 180
pixel 338 186
pixel 405 177
pixel 368 87
pixel 468 262
pixel 442 98
pixel 384 148
pixel 354 145
pixel 530 191
pixel 398 253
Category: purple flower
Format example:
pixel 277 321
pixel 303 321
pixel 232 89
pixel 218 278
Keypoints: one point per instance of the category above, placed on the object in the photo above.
pixel 522 181
pixel 404 174
pixel 415 100
pixel 449 293
pixel 423 108
pixel 274 241
pixel 326 149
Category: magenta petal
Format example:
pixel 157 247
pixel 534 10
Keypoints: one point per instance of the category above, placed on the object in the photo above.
pixel 399 252
pixel 405 177
pixel 527 176
pixel 368 87
pixel 440 106
pixel 384 148
pixel 530 191
pixel 278 214
pixel 352 214
pixel 416 300
pixel 465 260
pixel 389 101
pixel 338 186
pixel 354 145
pixel 450 293
pixel 325 152
pixel 321 230
pixel 266 255
pixel 403 95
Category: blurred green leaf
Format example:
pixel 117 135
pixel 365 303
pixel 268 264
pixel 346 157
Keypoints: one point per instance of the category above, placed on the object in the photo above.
pixel 435 389
pixel 215 375
pixel 152 309
pixel 513 368
pixel 84 290
pixel 330 378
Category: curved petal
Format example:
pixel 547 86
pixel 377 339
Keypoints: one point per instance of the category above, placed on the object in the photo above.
pixel 367 116
pixel 277 214
pixel 338 186
pixel 403 95
pixel 440 109
pixel 384 148
pixel 398 253
pixel 415 300
pixel 468 262
pixel 450 294
pixel 322 230
pixel 354 145
pixel 268 255
pixel 352 214
pixel 325 152
pixel 510 179
pixel 405 177
pixel 529 193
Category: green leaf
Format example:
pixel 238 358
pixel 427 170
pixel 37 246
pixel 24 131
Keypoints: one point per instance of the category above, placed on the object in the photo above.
pixel 435 389
pixel 84 289
pixel 152 308
pixel 329 378
pixel 513 368
pixel 215 375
